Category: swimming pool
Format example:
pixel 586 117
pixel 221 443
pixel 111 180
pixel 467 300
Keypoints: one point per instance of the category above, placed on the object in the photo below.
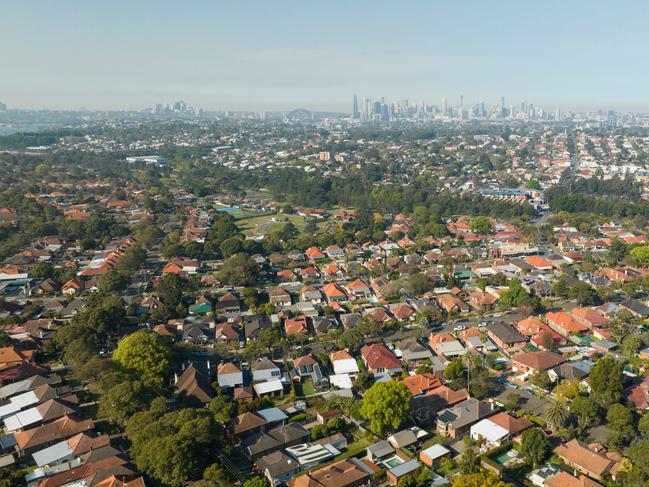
pixel 393 462
pixel 505 457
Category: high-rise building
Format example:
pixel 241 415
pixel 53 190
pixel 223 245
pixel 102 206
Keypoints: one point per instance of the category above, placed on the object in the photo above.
pixel 355 112
pixel 3 107
pixel 444 106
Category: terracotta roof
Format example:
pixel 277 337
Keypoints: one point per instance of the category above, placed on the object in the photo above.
pixel 340 474
pixel 227 368
pixel 340 355
pixel 56 430
pixel 378 357
pixel 538 360
pixel 510 423
pixel 246 422
pixel 576 453
pixel 420 384
pixel 564 479
pixel 565 321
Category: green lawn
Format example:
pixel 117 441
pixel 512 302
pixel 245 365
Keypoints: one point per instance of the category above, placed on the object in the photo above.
pixel 306 388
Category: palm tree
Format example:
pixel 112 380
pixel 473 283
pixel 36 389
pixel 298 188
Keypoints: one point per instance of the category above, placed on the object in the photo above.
pixel 556 414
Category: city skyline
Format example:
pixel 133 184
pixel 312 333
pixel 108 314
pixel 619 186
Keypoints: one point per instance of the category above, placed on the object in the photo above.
pixel 257 57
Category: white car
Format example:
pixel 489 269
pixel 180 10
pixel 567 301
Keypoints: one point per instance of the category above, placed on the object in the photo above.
pixel 482 325
pixel 459 328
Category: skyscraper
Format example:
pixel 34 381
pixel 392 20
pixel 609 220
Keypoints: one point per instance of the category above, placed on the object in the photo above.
pixel 355 112
pixel 444 107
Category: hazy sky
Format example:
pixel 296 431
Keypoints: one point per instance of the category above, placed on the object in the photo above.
pixel 275 55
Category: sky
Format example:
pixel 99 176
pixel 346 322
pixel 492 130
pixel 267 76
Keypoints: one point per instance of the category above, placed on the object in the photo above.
pixel 279 55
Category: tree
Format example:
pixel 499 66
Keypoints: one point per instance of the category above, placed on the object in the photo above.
pixel 606 381
pixel 145 352
pixel 222 407
pixel 534 446
pixel 641 255
pixel 480 224
pixel 540 379
pixel 256 482
pixel 231 246
pixel 170 290
pixel 122 401
pixel 174 447
pixel 638 453
pixel 239 270
pixel 556 414
pixel 568 389
pixel 583 293
pixel 469 462
pixel 113 281
pixel 585 410
pixel 455 372
pixel 515 295
pixel 621 422
pixel 560 288
pixel 216 476
pixel 482 479
pixel 386 405
pixel 364 380
pixel 643 425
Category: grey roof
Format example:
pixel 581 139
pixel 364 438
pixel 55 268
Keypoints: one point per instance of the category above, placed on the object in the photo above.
pixel 507 334
pixel 404 438
pixel 380 449
pixel 289 432
pixel 405 468
pixel 52 454
pixel 7 441
pixel 272 415
pixel 277 464
pixel 465 413
pixel 260 443
pixel 263 364
pixel 636 307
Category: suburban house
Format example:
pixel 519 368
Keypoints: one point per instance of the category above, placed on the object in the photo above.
pixel 533 362
pixel 344 473
pixel 279 297
pixel 277 467
pixel 592 460
pixel 193 386
pixel 412 351
pixel 499 428
pixel 246 424
pixel 446 345
pixel 264 369
pixel 343 363
pixel 506 337
pixel 432 455
pixel 380 360
pixel 308 367
pixel 358 289
pixel 452 304
pixel 334 293
pixel 229 375
pixel 564 324
pixel 455 421
pixel 296 326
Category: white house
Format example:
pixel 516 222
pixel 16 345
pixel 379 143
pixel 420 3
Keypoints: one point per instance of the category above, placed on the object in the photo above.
pixel 343 363
pixel 229 375
pixel 264 369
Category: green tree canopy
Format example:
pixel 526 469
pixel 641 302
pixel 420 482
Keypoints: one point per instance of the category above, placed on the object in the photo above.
pixel 386 405
pixel 606 381
pixel 534 446
pixel 145 352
